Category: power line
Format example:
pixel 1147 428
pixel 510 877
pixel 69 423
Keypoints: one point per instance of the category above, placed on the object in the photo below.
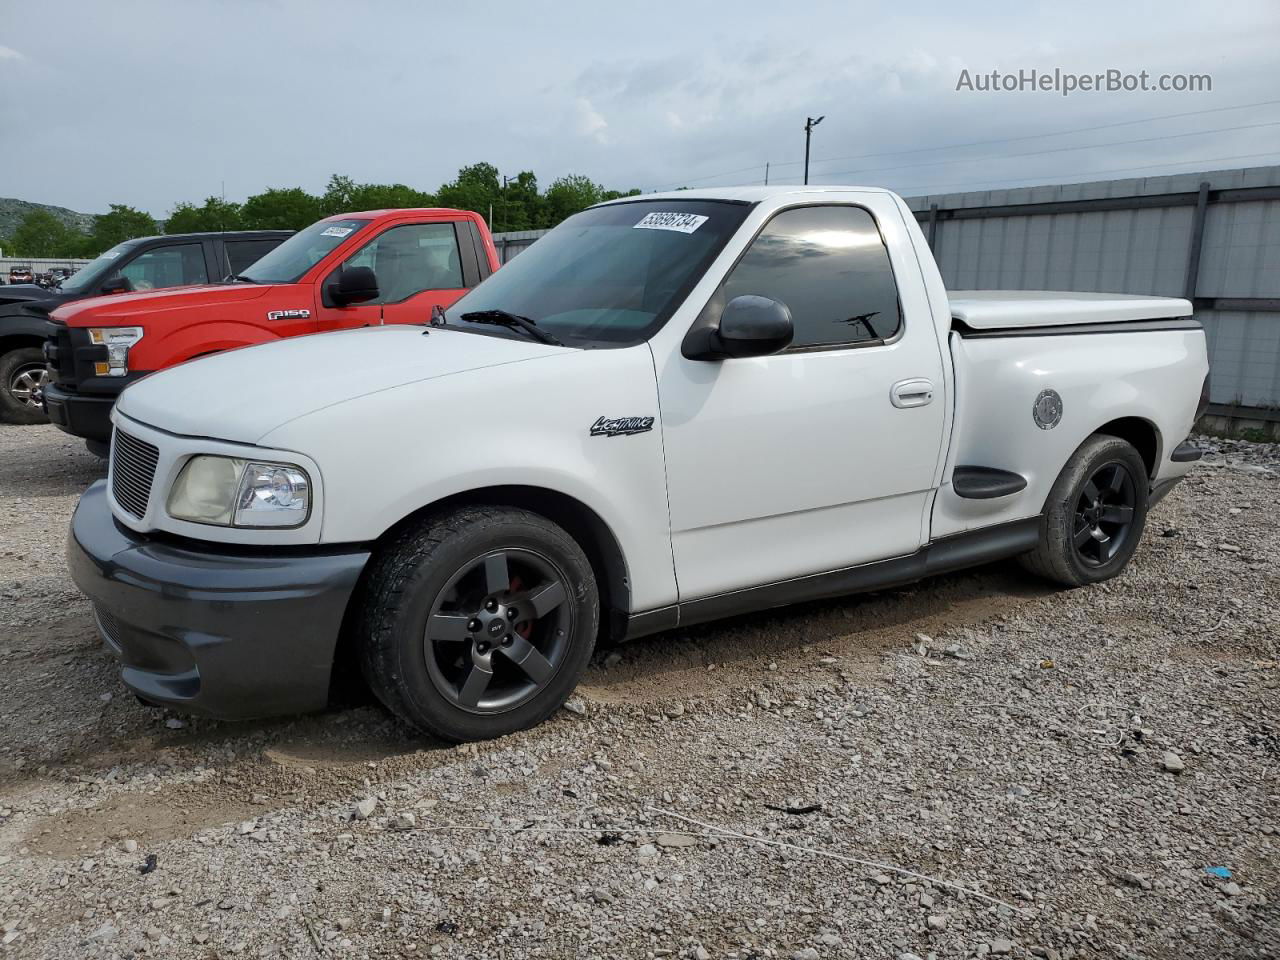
pixel 1039 136
pixel 979 143
pixel 1040 153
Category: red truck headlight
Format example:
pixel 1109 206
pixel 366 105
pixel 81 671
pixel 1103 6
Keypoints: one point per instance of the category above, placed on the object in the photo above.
pixel 117 340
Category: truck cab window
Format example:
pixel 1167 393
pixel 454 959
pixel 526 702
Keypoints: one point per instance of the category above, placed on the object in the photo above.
pixel 830 267
pixel 172 266
pixel 240 254
pixel 410 259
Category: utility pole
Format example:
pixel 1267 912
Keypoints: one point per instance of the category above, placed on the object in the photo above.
pixel 505 181
pixel 809 124
pixel 766 173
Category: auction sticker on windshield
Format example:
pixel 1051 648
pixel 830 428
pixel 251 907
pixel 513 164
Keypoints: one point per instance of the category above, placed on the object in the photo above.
pixel 680 222
pixel 335 231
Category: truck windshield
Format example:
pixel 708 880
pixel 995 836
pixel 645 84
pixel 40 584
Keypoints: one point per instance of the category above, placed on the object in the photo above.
pixel 289 261
pixel 612 274
pixel 95 271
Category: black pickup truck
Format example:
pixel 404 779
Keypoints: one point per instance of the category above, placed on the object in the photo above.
pixel 147 263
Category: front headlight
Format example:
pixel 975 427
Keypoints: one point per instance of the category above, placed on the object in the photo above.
pixel 117 340
pixel 242 493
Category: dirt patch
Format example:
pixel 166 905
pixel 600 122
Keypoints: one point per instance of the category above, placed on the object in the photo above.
pixel 148 817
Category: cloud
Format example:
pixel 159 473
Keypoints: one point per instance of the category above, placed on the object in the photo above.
pixel 8 53
pixel 589 123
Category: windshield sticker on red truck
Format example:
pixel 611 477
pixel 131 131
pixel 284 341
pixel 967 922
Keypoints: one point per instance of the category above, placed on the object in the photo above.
pixel 335 231
pixel 680 222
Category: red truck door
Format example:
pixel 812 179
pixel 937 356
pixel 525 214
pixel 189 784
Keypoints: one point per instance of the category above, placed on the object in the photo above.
pixel 418 265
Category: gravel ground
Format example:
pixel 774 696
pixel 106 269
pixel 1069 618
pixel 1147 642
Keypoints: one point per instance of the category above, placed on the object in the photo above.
pixel 976 766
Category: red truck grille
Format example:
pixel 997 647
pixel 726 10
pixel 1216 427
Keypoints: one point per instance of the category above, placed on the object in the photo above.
pixel 133 468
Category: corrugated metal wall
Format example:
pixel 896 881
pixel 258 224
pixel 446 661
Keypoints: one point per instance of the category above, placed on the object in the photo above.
pixel 1136 251
pixel 1144 250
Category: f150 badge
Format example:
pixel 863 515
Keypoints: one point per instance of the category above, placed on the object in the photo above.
pixel 288 314
pixel 621 427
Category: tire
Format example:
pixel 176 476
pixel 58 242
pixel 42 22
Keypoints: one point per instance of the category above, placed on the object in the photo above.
pixel 21 370
pixel 437 615
pixel 1086 539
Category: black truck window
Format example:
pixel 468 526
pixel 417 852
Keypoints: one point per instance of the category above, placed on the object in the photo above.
pixel 242 253
pixel 410 259
pixel 171 266
pixel 829 265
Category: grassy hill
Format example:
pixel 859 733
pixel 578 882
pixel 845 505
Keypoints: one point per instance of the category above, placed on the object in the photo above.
pixel 13 211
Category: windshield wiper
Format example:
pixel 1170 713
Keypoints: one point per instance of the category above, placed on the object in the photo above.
pixel 241 278
pixel 513 321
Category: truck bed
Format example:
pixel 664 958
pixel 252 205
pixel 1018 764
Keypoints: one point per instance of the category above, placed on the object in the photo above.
pixel 1004 309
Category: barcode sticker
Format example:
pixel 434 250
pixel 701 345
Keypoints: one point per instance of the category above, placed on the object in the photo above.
pixel 680 222
pixel 335 231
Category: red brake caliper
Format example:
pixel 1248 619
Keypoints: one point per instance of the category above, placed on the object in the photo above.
pixel 523 627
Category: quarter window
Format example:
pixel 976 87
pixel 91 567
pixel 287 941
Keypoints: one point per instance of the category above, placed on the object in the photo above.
pixel 171 266
pixel 830 267
pixel 410 259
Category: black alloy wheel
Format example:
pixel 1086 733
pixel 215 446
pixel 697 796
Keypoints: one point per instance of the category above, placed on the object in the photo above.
pixel 1095 513
pixel 477 621
pixel 498 631
pixel 1104 514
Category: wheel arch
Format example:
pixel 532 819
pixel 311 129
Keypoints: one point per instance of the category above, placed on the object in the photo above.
pixel 1142 434
pixel 579 520
pixel 17 341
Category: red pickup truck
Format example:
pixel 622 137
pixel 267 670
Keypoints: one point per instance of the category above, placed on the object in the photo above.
pixel 350 270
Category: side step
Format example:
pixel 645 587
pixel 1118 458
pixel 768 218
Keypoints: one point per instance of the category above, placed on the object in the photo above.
pixel 985 483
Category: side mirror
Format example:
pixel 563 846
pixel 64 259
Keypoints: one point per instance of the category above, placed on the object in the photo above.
pixel 748 327
pixel 117 284
pixel 355 285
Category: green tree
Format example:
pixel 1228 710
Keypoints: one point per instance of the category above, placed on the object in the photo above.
pixel 389 196
pixel 41 234
pixel 344 195
pixel 615 194
pixel 281 208
pixel 569 195
pixel 337 196
pixel 519 206
pixel 215 215
pixel 119 224
pixel 476 188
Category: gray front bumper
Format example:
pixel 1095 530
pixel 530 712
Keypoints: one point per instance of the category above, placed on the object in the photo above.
pixel 229 633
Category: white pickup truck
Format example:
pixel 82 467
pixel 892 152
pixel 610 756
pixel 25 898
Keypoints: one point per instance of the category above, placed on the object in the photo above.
pixel 670 409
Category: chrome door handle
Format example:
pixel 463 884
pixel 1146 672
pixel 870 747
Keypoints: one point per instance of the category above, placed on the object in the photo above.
pixel 917 392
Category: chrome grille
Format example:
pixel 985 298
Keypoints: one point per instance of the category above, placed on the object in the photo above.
pixel 133 468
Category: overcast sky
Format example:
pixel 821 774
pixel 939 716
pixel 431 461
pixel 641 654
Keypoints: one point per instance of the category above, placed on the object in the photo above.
pixel 153 103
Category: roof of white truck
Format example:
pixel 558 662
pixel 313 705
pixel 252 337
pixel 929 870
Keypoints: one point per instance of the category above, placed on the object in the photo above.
pixel 996 309
pixel 749 194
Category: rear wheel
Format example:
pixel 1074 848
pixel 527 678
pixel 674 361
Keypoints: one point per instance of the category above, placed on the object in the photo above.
pixel 478 622
pixel 22 377
pixel 1094 516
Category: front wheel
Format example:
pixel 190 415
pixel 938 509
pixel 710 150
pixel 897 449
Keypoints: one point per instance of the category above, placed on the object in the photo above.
pixel 1094 516
pixel 478 622
pixel 22 377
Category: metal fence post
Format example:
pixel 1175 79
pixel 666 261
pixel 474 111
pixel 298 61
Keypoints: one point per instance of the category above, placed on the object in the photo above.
pixel 933 227
pixel 1196 242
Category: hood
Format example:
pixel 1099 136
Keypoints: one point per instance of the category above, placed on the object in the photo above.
pixel 124 307
pixel 25 293
pixel 242 395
